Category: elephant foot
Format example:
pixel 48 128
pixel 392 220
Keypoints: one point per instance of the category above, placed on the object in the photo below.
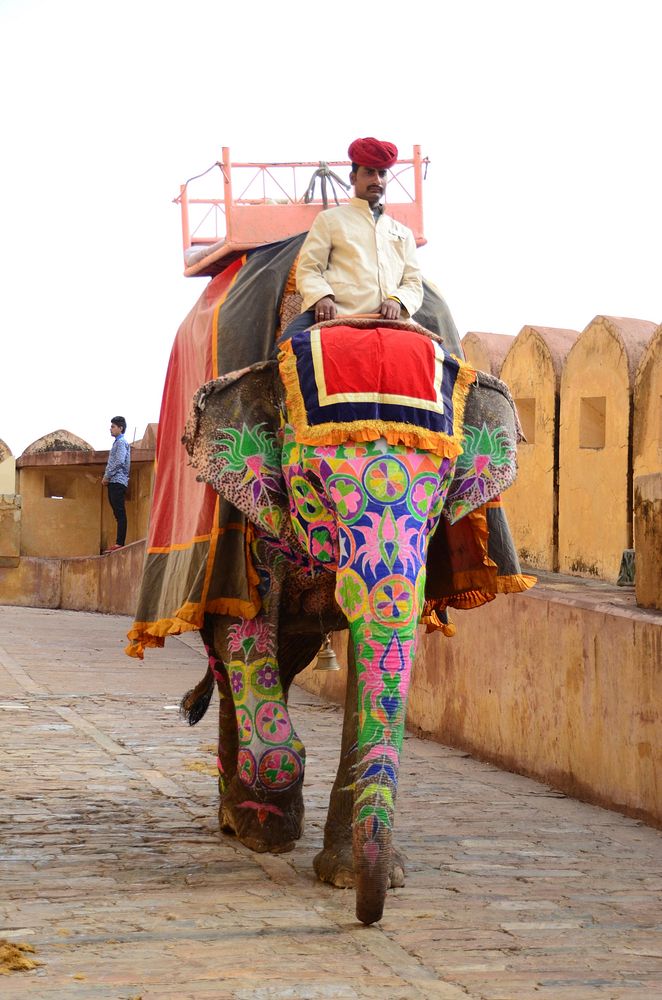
pixel 336 865
pixel 262 825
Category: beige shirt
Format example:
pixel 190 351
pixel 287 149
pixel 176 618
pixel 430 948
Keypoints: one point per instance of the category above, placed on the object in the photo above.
pixel 358 261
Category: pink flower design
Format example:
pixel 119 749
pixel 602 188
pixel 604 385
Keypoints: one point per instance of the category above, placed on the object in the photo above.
pixel 346 497
pixel 248 634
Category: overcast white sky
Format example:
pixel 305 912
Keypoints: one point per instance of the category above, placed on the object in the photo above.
pixel 543 198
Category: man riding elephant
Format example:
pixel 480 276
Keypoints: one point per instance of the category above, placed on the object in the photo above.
pixel 356 258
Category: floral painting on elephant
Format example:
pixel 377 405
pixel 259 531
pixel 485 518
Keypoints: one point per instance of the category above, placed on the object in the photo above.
pixel 360 491
pixel 375 505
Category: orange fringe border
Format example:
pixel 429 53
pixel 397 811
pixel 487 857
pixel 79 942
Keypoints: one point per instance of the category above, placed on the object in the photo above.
pixel 467 600
pixel 188 618
pixel 395 432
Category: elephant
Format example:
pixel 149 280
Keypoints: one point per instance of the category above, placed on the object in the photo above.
pixel 345 519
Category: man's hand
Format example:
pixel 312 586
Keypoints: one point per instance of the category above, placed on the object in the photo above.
pixel 104 481
pixel 390 309
pixel 325 309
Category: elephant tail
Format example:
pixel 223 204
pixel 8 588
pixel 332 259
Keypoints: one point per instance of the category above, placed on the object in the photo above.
pixel 195 702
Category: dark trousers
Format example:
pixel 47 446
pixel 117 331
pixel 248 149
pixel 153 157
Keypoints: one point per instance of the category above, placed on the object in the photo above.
pixel 116 494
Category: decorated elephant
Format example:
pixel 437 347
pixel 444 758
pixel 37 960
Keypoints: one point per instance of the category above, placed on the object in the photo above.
pixel 339 461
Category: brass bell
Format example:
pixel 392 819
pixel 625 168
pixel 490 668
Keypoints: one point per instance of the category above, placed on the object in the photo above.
pixel 326 658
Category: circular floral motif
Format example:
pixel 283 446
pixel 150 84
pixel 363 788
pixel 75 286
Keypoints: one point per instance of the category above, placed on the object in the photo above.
pixel 265 678
pixel 244 725
pixel 308 504
pixel 352 594
pixel 386 480
pixel 348 497
pixel 246 767
pixel 280 768
pixel 272 722
pixel 392 601
pixel 320 542
pixel 422 494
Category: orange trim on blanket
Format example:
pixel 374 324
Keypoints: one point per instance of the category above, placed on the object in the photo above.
pixel 181 546
pixel 395 432
pixel 188 618
pixel 229 605
pixel 232 606
pixel 469 599
pixel 434 623
pixel 516 584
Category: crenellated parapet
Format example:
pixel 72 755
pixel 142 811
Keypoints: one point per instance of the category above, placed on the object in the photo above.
pixel 590 405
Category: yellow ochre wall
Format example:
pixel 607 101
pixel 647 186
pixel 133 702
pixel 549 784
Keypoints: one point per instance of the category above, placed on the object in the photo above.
pixel 7 475
pixel 108 584
pixel 532 370
pixel 66 527
pixel 82 522
pixel 647 450
pixel 485 351
pixel 595 478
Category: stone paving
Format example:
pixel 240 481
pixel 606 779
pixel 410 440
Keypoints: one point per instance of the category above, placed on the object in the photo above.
pixel 112 868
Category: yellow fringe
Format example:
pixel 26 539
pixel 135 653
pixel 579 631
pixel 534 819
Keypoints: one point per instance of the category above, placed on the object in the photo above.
pixel 188 618
pixel 433 623
pixel 515 584
pixel 470 599
pixel 149 635
pixel 475 597
pixel 395 432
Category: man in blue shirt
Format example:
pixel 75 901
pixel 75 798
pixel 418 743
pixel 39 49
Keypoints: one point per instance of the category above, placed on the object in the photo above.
pixel 116 478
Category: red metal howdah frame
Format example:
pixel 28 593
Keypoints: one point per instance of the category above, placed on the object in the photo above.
pixel 279 200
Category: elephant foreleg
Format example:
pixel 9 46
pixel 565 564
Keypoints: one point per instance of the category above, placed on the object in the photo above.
pixel 226 758
pixel 263 760
pixel 228 739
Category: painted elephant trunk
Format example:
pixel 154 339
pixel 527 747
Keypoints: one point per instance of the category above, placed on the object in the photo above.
pixel 383 684
pixel 370 509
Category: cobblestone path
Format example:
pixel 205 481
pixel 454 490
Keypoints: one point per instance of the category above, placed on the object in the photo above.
pixel 112 868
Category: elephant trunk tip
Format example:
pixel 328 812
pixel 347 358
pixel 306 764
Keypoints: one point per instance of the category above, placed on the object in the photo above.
pixel 369 912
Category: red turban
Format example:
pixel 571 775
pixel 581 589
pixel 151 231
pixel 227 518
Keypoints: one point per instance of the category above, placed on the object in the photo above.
pixel 371 152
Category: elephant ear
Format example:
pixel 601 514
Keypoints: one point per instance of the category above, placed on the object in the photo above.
pixel 488 463
pixel 232 436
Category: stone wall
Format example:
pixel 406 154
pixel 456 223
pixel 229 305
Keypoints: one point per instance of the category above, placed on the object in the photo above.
pixel 7 473
pixel 108 584
pixel 532 371
pixel 590 404
pixel 10 529
pixel 66 512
